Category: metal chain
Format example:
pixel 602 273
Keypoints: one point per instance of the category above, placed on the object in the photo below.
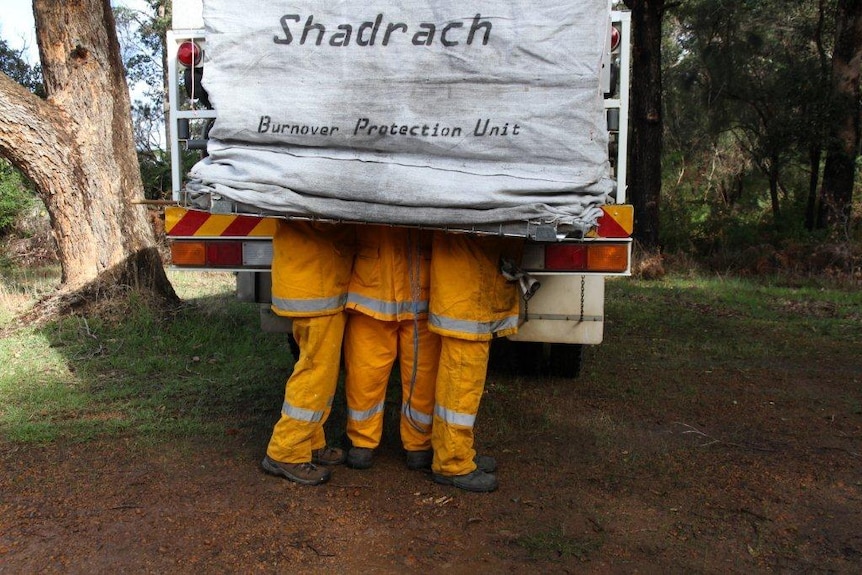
pixel 583 291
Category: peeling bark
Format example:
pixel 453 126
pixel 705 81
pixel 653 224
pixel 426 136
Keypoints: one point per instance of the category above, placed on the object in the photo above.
pixel 77 146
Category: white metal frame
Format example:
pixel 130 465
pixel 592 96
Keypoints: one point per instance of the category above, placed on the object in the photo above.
pixel 622 103
pixel 174 38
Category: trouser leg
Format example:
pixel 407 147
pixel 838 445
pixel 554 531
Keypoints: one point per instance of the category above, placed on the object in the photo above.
pixel 419 353
pixel 309 390
pixel 460 384
pixel 370 348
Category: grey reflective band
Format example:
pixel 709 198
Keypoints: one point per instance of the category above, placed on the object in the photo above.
pixel 453 417
pixel 416 415
pixel 388 307
pixel 310 305
pixel 468 326
pixel 301 414
pixel 356 415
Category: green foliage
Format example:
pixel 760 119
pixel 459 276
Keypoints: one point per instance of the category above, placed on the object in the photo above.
pixel 142 36
pixel 156 170
pixel 746 102
pixel 155 173
pixel 142 46
pixel 14 66
pixel 15 196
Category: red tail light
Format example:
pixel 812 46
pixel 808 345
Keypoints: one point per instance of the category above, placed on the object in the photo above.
pixel 615 38
pixel 566 257
pixel 224 253
pixel 199 253
pixel 189 54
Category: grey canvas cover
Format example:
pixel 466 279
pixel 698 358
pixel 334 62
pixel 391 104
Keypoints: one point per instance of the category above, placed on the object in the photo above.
pixel 481 115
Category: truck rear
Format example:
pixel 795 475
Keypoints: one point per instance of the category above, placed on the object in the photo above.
pixel 224 225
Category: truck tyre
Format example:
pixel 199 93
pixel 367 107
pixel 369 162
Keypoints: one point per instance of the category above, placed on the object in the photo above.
pixel 516 357
pixel 565 359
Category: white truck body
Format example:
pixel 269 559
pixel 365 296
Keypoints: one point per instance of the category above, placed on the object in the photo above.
pixel 567 309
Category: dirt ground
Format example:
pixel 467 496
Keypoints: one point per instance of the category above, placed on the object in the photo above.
pixel 751 470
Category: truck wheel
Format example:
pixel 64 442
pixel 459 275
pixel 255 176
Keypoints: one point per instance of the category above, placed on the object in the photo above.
pixel 565 359
pixel 516 357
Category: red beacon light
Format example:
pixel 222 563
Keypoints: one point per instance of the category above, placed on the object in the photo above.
pixel 189 54
pixel 615 38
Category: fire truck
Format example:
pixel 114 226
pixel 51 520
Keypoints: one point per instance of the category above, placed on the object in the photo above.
pixel 564 315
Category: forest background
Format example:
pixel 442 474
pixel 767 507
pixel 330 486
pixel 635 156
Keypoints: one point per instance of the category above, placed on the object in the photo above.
pixel 747 119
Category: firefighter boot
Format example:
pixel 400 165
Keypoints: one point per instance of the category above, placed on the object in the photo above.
pixel 421 461
pixel 477 481
pixel 303 473
pixel 360 457
pixel 328 456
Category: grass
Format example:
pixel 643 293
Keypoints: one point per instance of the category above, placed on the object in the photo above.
pixel 734 320
pixel 208 369
pixel 20 287
pixel 204 370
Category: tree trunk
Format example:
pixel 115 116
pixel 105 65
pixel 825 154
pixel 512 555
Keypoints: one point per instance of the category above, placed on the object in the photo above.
pixel 646 104
pixel 773 173
pixel 836 195
pixel 814 153
pixel 78 148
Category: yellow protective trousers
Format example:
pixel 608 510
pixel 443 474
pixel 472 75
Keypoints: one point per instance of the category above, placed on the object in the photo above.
pixel 470 304
pixel 387 319
pixel 460 384
pixel 370 349
pixel 309 390
pixel 311 268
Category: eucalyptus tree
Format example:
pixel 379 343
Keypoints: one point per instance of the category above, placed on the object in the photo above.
pixel 77 147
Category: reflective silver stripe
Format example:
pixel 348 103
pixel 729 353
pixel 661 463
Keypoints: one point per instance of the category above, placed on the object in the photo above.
pixel 388 307
pixel 310 305
pixel 416 415
pixel 453 417
pixel 301 414
pixel 469 326
pixel 367 414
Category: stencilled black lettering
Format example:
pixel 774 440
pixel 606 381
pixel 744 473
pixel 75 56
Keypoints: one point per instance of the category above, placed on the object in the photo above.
pixel 267 126
pixel 365 127
pixel 343 34
pixel 285 27
pixel 484 127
